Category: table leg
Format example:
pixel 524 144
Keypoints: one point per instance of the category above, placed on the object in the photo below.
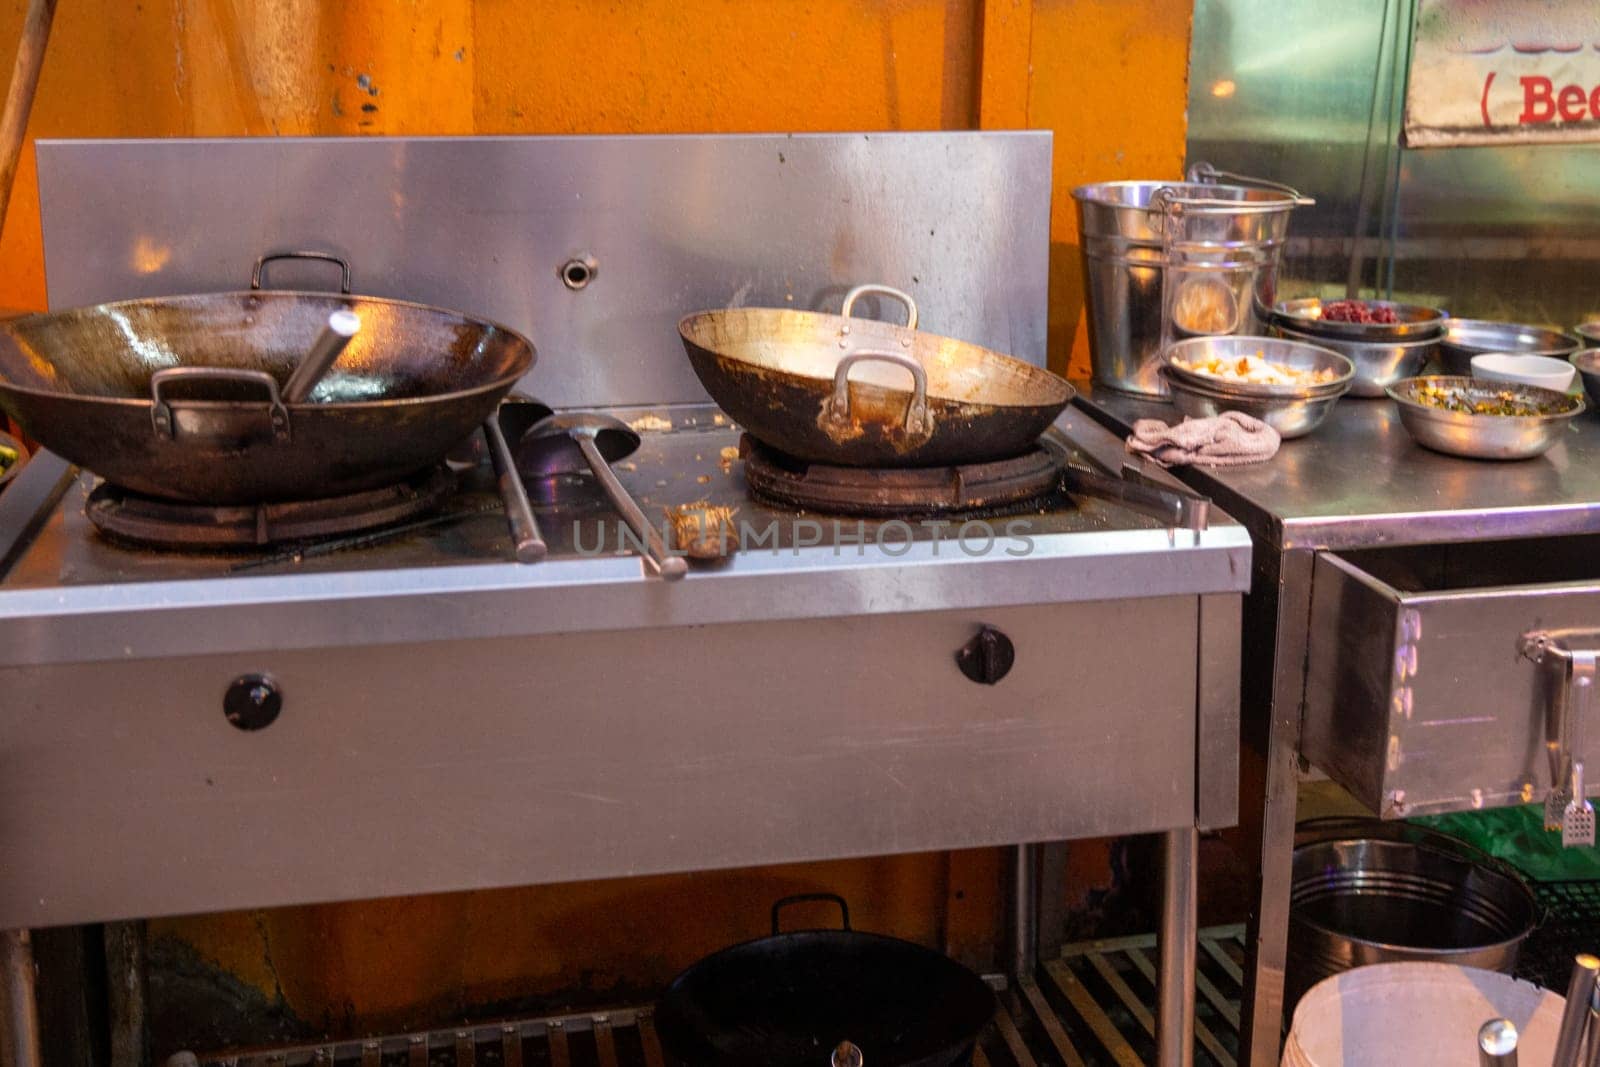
pixel 19 1041
pixel 1025 911
pixel 1180 935
pixel 1278 614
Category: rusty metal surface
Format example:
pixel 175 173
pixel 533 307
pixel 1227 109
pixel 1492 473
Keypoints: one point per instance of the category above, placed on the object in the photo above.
pixel 410 386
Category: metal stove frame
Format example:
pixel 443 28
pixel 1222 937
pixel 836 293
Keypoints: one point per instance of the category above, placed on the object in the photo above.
pixel 111 689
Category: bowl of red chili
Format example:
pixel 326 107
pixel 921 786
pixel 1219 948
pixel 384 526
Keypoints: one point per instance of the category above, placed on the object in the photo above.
pixel 1359 320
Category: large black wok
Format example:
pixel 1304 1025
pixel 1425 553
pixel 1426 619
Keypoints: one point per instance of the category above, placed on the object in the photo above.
pixel 863 393
pixel 178 396
pixel 791 1000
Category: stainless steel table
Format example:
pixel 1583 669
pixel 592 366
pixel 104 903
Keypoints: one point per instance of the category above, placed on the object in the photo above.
pixel 1359 495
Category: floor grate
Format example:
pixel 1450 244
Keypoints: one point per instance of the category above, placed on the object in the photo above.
pixel 1093 1005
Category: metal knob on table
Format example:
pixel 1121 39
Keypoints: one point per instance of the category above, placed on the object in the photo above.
pixel 1497 1044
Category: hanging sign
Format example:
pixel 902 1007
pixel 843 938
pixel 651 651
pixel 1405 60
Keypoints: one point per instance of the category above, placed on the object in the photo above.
pixel 1504 72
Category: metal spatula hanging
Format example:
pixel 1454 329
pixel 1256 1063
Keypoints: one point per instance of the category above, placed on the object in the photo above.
pixel 1566 807
pixel 1577 817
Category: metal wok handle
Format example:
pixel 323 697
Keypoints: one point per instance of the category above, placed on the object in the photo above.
pixel 916 412
pixel 326 257
pixel 161 409
pixel 1205 173
pixel 882 290
pixel 801 898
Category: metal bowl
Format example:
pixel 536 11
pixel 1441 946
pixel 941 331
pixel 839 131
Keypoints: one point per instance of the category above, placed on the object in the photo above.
pixel 1484 436
pixel 1292 410
pixel 1379 364
pixel 1589 333
pixel 1296 354
pixel 1465 338
pixel 1588 364
pixel 1363 900
pixel 1416 321
pixel 1290 416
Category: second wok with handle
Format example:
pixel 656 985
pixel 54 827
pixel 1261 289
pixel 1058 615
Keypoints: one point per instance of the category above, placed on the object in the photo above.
pixel 182 397
pixel 864 393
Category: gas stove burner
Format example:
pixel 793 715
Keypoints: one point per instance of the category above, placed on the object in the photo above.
pixel 978 488
pixel 148 521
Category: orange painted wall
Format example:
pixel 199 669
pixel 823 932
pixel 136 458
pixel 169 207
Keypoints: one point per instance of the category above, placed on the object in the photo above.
pixel 1108 76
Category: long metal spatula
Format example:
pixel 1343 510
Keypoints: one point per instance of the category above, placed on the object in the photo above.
pixel 1577 818
pixel 341 328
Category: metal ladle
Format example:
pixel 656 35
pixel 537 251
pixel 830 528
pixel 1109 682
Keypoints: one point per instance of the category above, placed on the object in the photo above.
pixel 341 327
pixel 565 443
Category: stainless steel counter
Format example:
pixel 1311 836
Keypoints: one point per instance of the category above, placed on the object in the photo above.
pixel 1391 590
pixel 69 596
pixel 1361 481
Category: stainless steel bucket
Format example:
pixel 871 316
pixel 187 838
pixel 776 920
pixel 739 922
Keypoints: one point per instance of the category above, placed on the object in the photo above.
pixel 1167 260
pixel 1376 899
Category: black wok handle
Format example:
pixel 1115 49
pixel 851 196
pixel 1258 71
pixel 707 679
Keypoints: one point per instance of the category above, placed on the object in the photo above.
pixel 161 409
pixel 800 898
pixel 326 257
pixel 881 290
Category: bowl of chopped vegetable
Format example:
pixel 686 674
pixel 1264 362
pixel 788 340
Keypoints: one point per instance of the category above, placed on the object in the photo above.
pixel 1289 385
pixel 12 456
pixel 1483 419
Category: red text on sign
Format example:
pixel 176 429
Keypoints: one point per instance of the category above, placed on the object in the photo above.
pixel 1541 103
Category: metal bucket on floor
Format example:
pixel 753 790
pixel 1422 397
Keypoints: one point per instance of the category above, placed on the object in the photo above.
pixel 1167 260
pixel 1379 895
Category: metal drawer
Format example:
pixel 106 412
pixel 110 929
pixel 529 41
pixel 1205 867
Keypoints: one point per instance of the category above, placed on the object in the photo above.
pixel 1419 695
pixel 414 768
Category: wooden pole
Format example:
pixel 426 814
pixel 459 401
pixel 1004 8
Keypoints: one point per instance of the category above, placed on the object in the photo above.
pixel 19 96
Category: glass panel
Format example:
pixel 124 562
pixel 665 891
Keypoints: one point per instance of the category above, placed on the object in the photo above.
pixel 1311 94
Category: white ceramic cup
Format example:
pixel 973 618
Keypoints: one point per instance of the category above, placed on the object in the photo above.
pixel 1546 372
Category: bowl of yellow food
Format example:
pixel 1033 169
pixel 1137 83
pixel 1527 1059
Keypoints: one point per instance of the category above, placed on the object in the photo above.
pixel 12 457
pixel 1289 385
pixel 1481 419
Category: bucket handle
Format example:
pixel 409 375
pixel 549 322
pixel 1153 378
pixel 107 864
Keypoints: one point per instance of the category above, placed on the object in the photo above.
pixel 1205 174
pixel 801 898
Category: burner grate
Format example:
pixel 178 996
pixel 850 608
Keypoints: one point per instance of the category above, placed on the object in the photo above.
pixel 171 524
pixel 978 489
pixel 1093 1005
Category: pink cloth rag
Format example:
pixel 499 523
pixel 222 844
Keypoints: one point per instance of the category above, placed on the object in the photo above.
pixel 1231 439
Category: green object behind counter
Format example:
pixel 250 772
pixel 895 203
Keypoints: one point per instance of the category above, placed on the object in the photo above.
pixel 1517 835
